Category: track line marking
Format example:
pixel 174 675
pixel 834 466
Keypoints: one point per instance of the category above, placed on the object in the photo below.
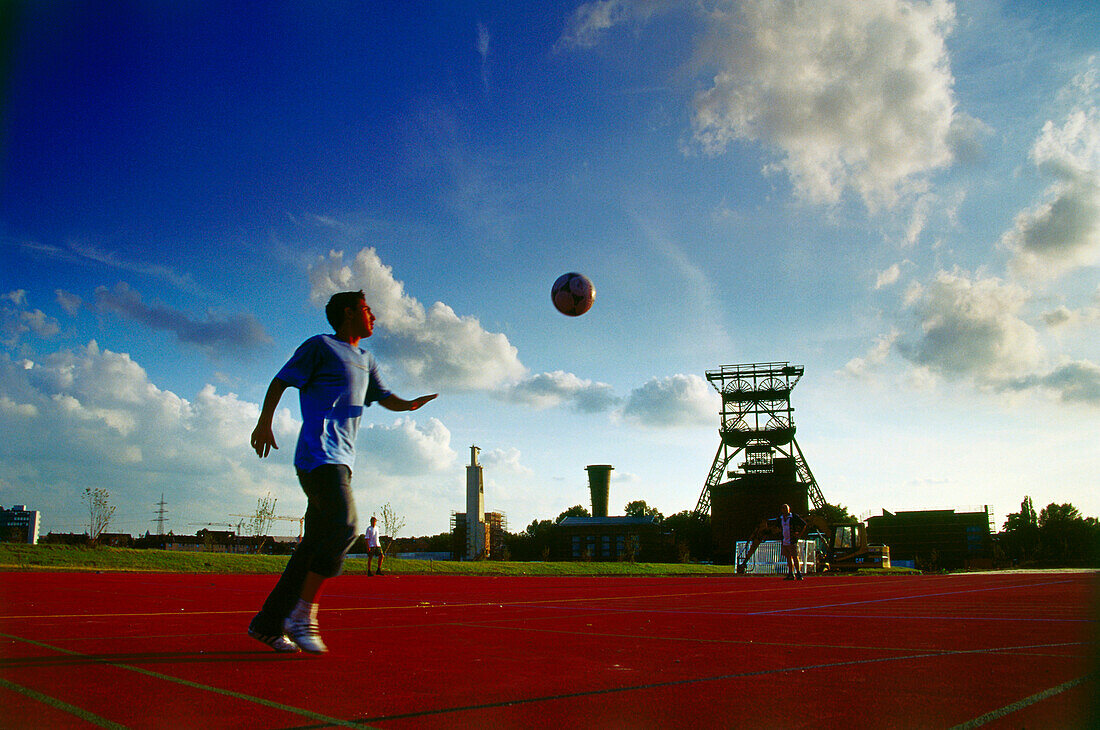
pixel 930 617
pixel 85 715
pixel 1021 704
pixel 862 617
pixel 310 714
pixel 674 683
pixel 801 645
pixel 908 598
pixel 251 611
pixel 585 599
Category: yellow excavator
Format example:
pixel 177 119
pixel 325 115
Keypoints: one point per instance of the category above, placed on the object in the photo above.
pixel 840 546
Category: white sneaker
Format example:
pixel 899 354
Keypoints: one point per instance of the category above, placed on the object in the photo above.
pixel 278 642
pixel 305 634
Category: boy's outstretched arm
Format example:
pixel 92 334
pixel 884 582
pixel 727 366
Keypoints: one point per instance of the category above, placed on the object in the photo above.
pixel 263 440
pixel 394 403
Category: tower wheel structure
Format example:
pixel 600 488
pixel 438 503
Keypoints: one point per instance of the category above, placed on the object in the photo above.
pixel 757 418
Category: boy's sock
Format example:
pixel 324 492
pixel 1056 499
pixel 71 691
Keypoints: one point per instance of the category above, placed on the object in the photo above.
pixel 304 611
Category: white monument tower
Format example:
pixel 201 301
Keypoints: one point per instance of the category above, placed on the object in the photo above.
pixel 476 545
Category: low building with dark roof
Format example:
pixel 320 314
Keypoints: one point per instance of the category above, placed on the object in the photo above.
pixel 609 539
pixel 934 539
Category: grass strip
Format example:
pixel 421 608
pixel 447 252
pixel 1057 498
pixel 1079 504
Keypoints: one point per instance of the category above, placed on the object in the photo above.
pixel 16 556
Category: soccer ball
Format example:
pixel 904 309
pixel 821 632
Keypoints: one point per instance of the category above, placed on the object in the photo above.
pixel 573 294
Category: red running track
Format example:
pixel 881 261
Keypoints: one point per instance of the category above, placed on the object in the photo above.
pixel 156 650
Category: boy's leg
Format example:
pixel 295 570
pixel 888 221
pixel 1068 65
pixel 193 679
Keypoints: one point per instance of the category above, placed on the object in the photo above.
pixel 288 590
pixel 301 624
pixel 311 587
pixel 331 521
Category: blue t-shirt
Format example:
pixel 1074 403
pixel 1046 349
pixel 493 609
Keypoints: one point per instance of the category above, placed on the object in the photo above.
pixel 335 382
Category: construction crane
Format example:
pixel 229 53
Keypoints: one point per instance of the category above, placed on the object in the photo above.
pixel 300 520
pixel 212 524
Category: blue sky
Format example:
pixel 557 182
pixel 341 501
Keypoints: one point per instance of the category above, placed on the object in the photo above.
pixel 902 197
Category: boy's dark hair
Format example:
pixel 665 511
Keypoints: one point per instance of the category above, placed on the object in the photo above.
pixel 334 310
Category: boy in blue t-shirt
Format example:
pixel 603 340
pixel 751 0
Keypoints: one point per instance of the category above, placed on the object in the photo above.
pixel 336 380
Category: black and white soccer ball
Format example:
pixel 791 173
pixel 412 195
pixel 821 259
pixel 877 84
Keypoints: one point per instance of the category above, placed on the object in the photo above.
pixel 573 294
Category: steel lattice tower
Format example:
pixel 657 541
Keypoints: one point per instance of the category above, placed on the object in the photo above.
pixel 757 418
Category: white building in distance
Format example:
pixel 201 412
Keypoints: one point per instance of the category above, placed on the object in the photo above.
pixel 477 547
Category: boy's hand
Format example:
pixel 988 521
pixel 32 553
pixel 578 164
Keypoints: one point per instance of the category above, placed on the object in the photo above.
pixel 413 405
pixel 263 440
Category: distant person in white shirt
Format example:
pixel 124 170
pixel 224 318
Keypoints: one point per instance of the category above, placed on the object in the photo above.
pixel 374 547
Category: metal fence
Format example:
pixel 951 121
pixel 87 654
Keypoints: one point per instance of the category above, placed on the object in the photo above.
pixel 768 561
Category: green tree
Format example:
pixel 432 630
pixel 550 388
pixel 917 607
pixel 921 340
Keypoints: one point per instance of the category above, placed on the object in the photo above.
pixel 100 511
pixel 1059 536
pixel 834 513
pixel 1058 515
pixel 639 508
pixel 1019 538
pixel 259 523
pixel 574 511
pixel 690 534
pixel 533 543
pixel 391 523
pixel 1065 537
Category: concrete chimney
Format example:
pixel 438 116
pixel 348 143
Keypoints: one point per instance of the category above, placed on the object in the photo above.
pixel 599 484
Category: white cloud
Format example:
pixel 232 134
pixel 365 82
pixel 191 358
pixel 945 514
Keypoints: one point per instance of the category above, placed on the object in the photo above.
pixel 698 288
pixel 85 250
pixel 93 417
pixel 17 297
pixel 590 21
pixel 483 41
pixel 918 219
pixel 10 407
pixel 1073 382
pixel 860 367
pixel 853 95
pixel 1063 231
pixel 971 327
pixel 16 321
pixel 405 447
pixel 68 301
pixel 1062 317
pixel 676 400
pixel 888 277
pixel 966 136
pixel 548 390
pixel 218 335
pixel 483 38
pixel 435 346
pixel 442 350
pixel 508 461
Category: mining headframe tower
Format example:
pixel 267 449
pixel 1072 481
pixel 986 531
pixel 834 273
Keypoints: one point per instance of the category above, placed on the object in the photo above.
pixel 757 419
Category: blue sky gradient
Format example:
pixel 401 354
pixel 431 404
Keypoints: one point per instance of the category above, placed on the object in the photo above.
pixel 902 197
